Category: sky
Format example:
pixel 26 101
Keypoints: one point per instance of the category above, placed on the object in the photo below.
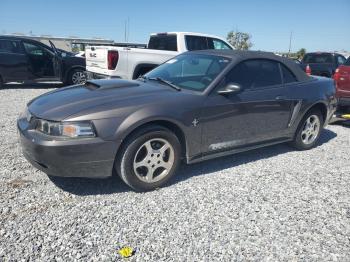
pixel 317 25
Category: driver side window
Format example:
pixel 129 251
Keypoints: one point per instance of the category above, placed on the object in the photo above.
pixel 341 60
pixel 35 50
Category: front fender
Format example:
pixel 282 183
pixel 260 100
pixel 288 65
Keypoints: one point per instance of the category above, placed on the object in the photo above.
pixel 142 117
pixel 182 120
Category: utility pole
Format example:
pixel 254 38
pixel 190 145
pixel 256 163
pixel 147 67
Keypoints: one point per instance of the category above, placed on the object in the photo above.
pixel 126 30
pixel 127 36
pixel 290 42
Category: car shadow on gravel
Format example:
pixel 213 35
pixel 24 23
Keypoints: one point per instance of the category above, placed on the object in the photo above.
pixel 210 166
pixel 113 184
pixel 45 85
pixel 90 186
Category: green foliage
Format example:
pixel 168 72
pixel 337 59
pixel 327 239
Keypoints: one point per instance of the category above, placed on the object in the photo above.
pixel 300 54
pixel 239 40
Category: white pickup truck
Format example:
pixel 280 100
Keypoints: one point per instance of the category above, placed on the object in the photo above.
pixel 130 63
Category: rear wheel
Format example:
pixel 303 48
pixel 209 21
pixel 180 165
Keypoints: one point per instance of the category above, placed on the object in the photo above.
pixel 309 130
pixel 149 158
pixel 1 83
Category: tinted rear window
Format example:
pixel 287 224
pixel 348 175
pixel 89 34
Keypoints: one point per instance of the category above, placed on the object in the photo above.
pixel 163 42
pixel 318 58
pixel 8 46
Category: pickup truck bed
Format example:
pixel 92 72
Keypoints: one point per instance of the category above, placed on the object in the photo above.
pixel 130 62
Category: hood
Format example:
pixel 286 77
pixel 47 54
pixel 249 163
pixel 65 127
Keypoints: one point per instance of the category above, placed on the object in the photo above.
pixel 62 103
pixel 74 60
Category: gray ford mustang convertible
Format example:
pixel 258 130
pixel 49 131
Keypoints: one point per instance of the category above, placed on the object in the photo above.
pixel 196 106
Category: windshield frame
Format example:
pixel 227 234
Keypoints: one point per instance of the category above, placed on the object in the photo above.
pixel 347 62
pixel 214 80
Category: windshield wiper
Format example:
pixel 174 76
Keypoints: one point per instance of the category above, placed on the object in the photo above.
pixel 159 79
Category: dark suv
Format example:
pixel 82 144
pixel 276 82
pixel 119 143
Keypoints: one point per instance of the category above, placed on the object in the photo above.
pixel 23 59
pixel 322 63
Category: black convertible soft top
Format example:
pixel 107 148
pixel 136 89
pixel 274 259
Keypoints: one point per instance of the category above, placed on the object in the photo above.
pixel 238 56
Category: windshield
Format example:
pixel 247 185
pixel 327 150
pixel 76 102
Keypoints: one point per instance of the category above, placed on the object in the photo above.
pixel 318 58
pixel 190 71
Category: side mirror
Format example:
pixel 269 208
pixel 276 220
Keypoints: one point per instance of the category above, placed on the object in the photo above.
pixel 230 89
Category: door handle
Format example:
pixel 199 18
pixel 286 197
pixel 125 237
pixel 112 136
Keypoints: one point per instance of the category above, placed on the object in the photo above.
pixel 281 97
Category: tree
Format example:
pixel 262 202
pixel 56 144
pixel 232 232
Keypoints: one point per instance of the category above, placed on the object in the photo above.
pixel 239 40
pixel 301 53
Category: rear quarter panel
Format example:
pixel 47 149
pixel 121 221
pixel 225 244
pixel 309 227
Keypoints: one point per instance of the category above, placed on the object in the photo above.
pixel 129 59
pixel 96 61
pixel 13 67
pixel 317 91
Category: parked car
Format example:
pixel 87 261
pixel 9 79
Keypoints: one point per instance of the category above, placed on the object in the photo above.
pixel 322 63
pixel 342 79
pixel 196 106
pixel 130 63
pixel 23 59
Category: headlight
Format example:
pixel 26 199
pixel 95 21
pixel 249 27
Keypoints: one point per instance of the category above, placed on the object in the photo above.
pixel 26 114
pixel 66 129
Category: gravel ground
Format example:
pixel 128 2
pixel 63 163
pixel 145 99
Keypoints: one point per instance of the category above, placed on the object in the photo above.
pixel 268 204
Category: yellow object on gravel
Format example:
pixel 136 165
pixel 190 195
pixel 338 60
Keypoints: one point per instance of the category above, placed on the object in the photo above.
pixel 346 116
pixel 126 252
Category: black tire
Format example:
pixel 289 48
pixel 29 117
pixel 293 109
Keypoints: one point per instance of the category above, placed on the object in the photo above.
pixel 128 153
pixel 71 77
pixel 1 83
pixel 298 142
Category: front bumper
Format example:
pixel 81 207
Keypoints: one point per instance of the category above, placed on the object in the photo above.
pixel 89 157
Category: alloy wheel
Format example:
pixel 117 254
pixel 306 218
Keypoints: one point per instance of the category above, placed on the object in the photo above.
pixel 78 77
pixel 153 160
pixel 310 129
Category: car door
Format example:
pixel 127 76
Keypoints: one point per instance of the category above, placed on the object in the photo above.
pixel 259 113
pixel 57 61
pixel 13 61
pixel 40 59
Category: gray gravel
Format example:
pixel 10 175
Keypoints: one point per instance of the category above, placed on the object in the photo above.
pixel 268 204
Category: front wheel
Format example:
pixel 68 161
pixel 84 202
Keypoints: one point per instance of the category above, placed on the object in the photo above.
pixel 149 158
pixel 309 130
pixel 76 76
